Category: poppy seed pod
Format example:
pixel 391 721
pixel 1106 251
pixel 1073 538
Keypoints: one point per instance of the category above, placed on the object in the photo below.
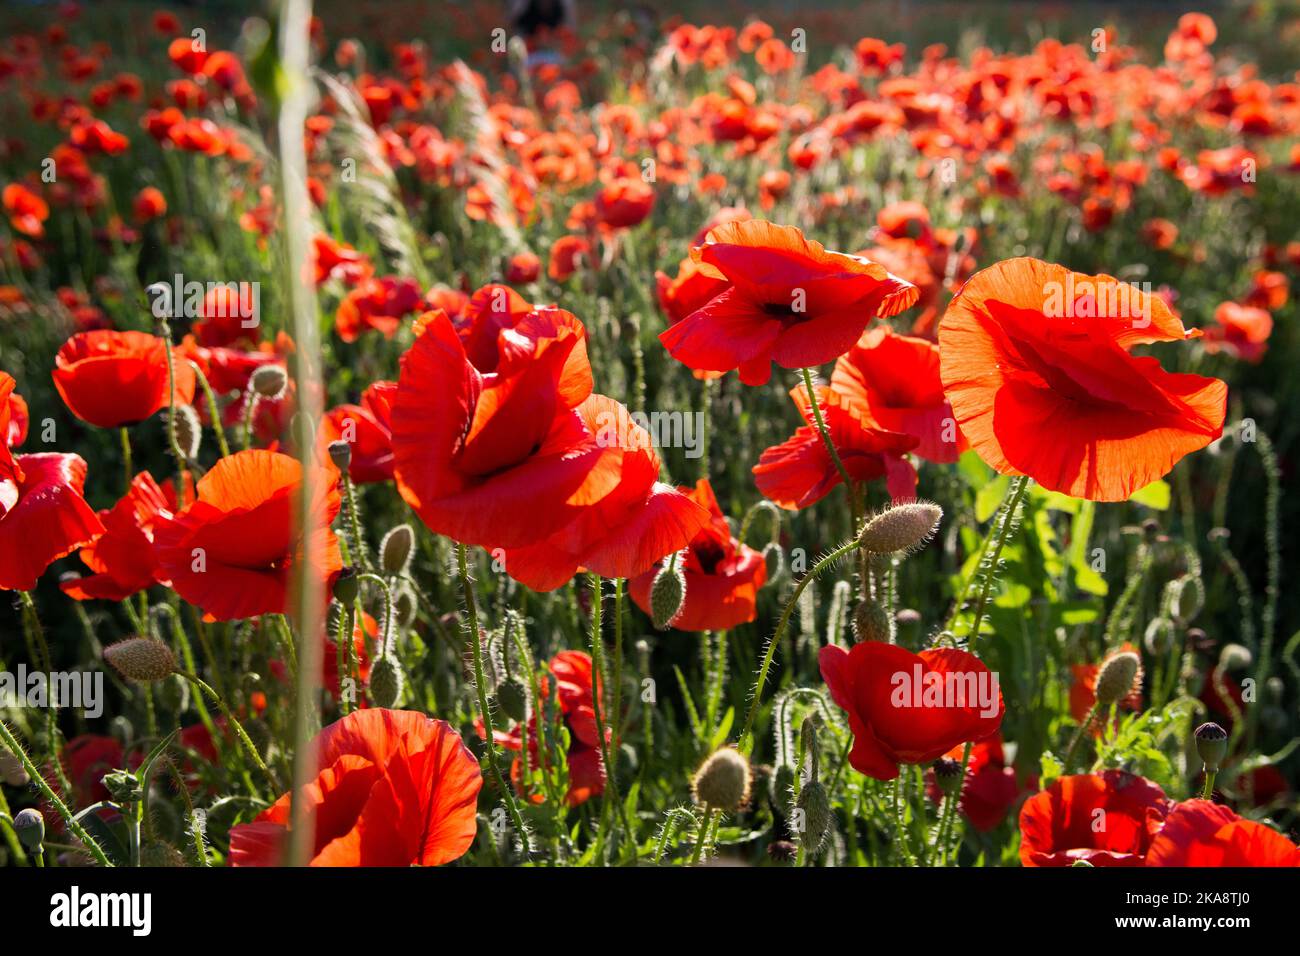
pixel 386 681
pixel 30 827
pixel 395 549
pixel 902 528
pixel 816 806
pixel 141 659
pixel 341 454
pixel 1119 676
pixel 667 594
pixel 722 782
pixel 269 381
pixel 947 774
pixel 1211 745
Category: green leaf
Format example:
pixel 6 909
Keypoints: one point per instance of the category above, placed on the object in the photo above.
pixel 1154 495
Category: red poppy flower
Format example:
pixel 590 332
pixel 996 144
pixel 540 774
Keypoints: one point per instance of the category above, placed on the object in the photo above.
pixel 13 417
pixel 990 788
pixel 501 458
pixel 1028 348
pixel 689 292
pixel 26 210
pixel 791 302
pixel 331 259
pixel 368 428
pixel 378 304
pixel 723 575
pixel 566 252
pixel 573 673
pixel 1202 833
pixel 488 311
pixel 149 204
pixel 395 788
pixel 122 559
pixel 524 267
pixel 624 533
pixel 896 379
pixel 228 317
pixel 799 472
pixel 109 378
pixel 1242 330
pixel 909 708
pixel 43 515
pixel 231 551
pixel 624 203
pixel 1106 819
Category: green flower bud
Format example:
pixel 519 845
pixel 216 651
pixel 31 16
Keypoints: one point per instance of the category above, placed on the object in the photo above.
pixel 347 585
pixel 870 622
pixel 667 593
pixel 156 853
pixel 395 549
pixel 816 806
pixel 1119 676
pixel 189 430
pixel 512 699
pixel 141 659
pixel 386 681
pixel 902 528
pixel 722 782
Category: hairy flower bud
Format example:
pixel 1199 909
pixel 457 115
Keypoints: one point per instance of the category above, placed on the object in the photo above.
pixel 269 381
pixel 395 549
pixel 386 681
pixel 1211 745
pixel 12 770
pixel 347 586
pixel 870 622
pixel 1120 674
pixel 904 527
pixel 512 699
pixel 667 593
pixel 156 853
pixel 722 782
pixel 1235 657
pixel 141 659
pixel 189 431
pixel 816 806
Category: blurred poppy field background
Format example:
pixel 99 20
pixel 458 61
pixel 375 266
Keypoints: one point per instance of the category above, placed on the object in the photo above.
pixel 787 435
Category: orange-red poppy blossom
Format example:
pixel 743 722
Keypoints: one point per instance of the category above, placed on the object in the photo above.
pixel 909 708
pixel 368 428
pixel 1202 833
pixel 499 458
pixel 231 551
pixel 109 378
pixel 1028 349
pixel 791 302
pixel 800 471
pixel 395 788
pixel 26 210
pixel 1058 825
pixel 122 560
pixel 723 575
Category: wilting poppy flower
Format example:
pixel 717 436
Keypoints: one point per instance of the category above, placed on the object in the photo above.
pixel 1028 349
pixel 122 559
pixel 990 788
pixel 1202 833
pixel 26 210
pixel 395 788
pixel 723 575
pixel 500 458
pixel 1060 825
pixel 368 428
pixel 624 533
pixel 109 378
pixel 573 676
pixel 895 378
pixel 791 302
pixel 231 551
pixel 799 472
pixel 1242 330
pixel 909 708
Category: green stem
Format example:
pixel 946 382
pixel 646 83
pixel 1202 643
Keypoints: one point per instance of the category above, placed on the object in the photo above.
pixel 61 808
pixel 703 838
pixel 769 652
pixel 849 487
pixel 214 413
pixel 1207 792
pixel 480 683
pixel 237 727
pixel 126 457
